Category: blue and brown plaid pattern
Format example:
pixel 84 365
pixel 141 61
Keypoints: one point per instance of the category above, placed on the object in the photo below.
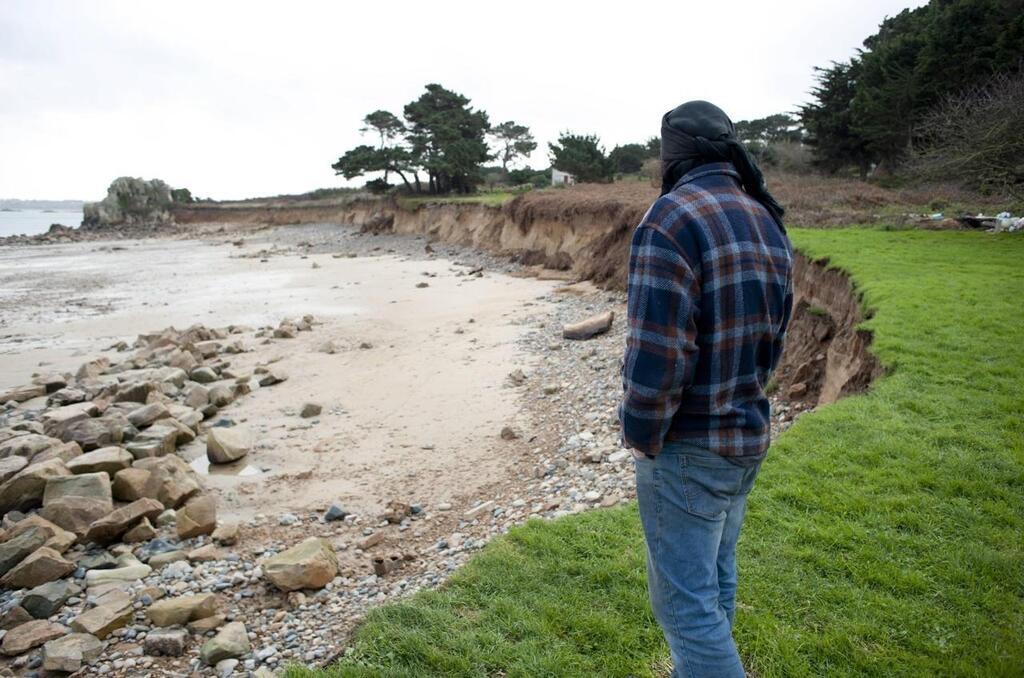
pixel 710 297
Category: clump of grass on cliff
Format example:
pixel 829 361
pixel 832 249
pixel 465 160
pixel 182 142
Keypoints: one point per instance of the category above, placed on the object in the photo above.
pixel 883 536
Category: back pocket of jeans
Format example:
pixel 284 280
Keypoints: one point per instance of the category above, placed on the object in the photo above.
pixel 710 489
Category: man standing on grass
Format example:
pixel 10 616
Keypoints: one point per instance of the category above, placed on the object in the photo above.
pixel 710 297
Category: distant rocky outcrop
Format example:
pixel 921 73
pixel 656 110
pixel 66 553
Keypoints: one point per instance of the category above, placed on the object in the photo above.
pixel 131 201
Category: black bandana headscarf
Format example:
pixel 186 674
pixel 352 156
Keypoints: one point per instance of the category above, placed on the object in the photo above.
pixel 699 132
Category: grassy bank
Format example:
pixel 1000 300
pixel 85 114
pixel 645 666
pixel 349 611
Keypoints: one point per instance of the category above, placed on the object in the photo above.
pixel 884 536
pixel 492 199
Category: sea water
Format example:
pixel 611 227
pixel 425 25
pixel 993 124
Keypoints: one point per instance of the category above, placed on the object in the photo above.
pixel 31 222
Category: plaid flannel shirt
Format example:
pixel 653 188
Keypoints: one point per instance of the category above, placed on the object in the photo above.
pixel 710 298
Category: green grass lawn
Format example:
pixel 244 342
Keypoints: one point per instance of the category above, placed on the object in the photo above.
pixel 885 535
pixel 493 199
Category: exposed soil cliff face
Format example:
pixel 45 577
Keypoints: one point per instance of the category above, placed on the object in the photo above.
pixel 827 355
pixel 587 234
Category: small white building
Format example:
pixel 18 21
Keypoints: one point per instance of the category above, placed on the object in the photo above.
pixel 560 178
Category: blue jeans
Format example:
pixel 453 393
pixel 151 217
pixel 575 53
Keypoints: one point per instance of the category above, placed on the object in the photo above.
pixel 691 506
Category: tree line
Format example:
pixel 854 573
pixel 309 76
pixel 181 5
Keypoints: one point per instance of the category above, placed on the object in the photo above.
pixel 913 82
pixel 442 144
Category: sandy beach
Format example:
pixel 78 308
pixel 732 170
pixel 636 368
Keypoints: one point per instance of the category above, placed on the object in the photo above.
pixel 415 412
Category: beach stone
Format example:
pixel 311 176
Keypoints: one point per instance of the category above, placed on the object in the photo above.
pixel 226 534
pixel 198 516
pixel 310 410
pixel 63 451
pixel 92 434
pixel 225 445
pixel 172 481
pixel 10 466
pixel 56 537
pixel 104 619
pixel 92 485
pixel 19 547
pixel 136 391
pixel 92 369
pixel 182 360
pixel 107 460
pixel 197 397
pixel 205 553
pixel 591 327
pixel 28 445
pixel 311 564
pixel 31 634
pixel 335 512
pixel 165 642
pixel 272 375
pixel 20 394
pixel 204 375
pixel 143 531
pixel 15 616
pixel 25 489
pixel 71 653
pixel 128 569
pixel 221 395
pixel 203 626
pixel 160 559
pixel 56 420
pixel 183 609
pixel 130 484
pixel 112 526
pixel 230 642
pixel 148 414
pixel 156 441
pixel 99 560
pixel 41 566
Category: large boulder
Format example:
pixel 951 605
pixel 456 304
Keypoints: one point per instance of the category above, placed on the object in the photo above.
pixel 183 609
pixel 130 201
pixel 112 526
pixel 41 566
pixel 198 516
pixel 311 564
pixel 108 460
pixel 225 445
pixel 70 653
pixel 31 634
pixel 231 641
pixel 25 490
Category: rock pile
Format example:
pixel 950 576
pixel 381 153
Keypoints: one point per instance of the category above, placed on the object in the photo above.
pixel 95 500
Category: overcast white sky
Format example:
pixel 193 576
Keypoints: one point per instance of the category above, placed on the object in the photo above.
pixel 238 99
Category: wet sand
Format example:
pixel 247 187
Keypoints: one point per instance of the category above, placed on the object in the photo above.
pixel 416 415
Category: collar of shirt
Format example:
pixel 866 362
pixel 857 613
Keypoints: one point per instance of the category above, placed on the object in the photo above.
pixel 706 169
